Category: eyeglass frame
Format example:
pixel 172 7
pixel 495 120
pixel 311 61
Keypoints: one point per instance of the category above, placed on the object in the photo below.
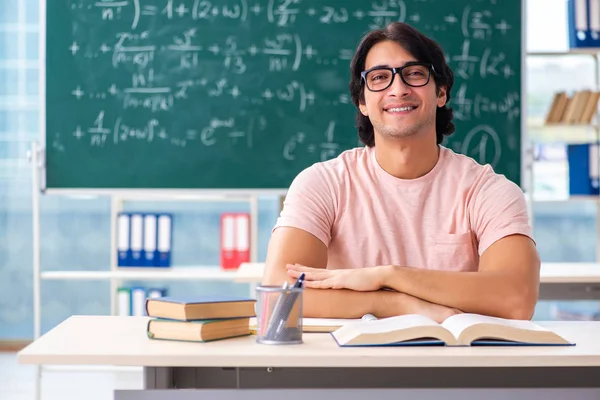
pixel 398 71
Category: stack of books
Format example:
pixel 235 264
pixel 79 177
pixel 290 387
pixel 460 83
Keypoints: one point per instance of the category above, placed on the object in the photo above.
pixel 199 319
pixel 580 108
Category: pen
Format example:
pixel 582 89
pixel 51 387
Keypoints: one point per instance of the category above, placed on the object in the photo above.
pixel 300 281
pixel 282 310
pixel 272 322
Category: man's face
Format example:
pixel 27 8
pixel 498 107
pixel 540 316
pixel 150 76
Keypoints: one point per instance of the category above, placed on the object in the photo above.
pixel 400 110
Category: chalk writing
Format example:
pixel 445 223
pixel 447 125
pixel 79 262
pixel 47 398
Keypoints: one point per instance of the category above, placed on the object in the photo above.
pixel 231 78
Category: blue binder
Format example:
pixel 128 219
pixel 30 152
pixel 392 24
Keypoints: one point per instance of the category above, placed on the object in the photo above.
pixel 584 23
pixel 149 252
pixel 136 232
pixel 583 169
pixel 123 240
pixel 165 231
pixel 156 292
pixel 138 301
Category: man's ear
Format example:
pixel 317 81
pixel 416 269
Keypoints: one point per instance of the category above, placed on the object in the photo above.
pixel 441 100
pixel 363 109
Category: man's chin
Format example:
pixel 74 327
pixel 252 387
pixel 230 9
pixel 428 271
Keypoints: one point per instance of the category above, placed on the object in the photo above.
pixel 399 133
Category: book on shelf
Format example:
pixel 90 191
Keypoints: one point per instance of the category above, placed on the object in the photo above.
pixel 580 108
pixel 200 307
pixel 590 108
pixel 197 331
pixel 575 108
pixel 457 330
pixel 557 108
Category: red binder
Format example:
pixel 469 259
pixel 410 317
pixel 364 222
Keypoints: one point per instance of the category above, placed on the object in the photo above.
pixel 242 238
pixel 235 239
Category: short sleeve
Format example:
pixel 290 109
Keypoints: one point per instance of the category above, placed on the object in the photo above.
pixel 310 204
pixel 499 209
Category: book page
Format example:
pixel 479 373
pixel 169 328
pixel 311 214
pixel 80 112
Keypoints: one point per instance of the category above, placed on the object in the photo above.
pixel 456 324
pixel 393 323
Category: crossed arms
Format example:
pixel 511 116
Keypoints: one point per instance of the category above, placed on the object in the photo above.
pixel 506 284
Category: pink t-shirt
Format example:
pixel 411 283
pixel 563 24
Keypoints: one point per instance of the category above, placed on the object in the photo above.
pixel 366 217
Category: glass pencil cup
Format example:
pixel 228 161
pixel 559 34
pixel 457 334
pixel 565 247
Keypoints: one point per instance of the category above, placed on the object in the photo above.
pixel 279 315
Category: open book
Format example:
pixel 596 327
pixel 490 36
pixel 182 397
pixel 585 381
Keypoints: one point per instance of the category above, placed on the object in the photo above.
pixel 457 330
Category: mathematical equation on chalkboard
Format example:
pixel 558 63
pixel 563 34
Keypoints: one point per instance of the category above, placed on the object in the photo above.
pixel 166 62
pixel 99 135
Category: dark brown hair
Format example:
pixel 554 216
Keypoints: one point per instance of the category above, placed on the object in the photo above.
pixel 423 49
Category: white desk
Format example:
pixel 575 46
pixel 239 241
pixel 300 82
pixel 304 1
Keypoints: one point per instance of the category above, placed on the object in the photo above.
pixel 570 281
pixel 319 363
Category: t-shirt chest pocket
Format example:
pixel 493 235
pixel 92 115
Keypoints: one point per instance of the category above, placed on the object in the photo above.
pixel 452 252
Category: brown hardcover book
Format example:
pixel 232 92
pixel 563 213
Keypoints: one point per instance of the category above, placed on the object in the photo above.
pixel 561 109
pixel 552 111
pixel 576 106
pixel 204 307
pixel 590 109
pixel 197 331
pixel 561 100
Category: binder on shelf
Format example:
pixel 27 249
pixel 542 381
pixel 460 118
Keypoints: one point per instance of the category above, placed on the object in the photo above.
pixel 131 301
pixel 235 239
pixel 227 241
pixel 165 229
pixel 583 164
pixel 242 236
pixel 124 301
pixel 138 301
pixel 137 239
pixel 584 23
pixel 150 252
pixel 123 246
pixel 154 293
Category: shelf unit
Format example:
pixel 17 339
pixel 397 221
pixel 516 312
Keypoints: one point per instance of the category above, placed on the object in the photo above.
pixel 249 273
pixel 594 53
pixel 170 274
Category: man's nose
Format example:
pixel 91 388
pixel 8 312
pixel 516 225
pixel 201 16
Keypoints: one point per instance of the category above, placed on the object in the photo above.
pixel 398 87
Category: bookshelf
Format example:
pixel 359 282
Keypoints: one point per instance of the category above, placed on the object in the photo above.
pixel 581 123
pixel 248 273
pixel 200 272
pixel 577 131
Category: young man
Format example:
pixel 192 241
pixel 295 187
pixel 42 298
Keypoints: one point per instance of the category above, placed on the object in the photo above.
pixel 405 225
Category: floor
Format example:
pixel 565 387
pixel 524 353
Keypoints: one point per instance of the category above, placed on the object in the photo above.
pixel 17 382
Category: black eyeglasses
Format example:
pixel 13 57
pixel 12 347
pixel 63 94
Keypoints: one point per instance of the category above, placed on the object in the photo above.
pixel 415 74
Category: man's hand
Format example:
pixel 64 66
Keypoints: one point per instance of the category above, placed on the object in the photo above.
pixel 361 279
pixel 436 312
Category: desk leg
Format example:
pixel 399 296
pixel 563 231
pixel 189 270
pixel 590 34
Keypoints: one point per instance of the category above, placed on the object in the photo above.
pixel 158 378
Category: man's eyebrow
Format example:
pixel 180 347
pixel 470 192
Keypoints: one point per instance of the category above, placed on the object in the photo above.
pixel 379 66
pixel 412 62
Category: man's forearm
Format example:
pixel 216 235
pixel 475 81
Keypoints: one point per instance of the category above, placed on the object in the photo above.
pixel 494 294
pixel 344 303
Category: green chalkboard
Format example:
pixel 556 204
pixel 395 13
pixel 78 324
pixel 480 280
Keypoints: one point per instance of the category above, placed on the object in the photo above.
pixel 244 94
